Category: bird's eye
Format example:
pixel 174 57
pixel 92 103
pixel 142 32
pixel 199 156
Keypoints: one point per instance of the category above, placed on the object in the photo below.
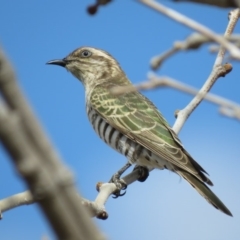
pixel 86 53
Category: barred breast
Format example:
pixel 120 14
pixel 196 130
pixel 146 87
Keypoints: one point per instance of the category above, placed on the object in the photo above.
pixel 111 136
pixel 135 153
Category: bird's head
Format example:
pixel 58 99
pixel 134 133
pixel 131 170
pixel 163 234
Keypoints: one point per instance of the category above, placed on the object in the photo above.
pixel 90 65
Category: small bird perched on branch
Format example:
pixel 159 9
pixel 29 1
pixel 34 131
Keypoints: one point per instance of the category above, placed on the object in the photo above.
pixel 130 123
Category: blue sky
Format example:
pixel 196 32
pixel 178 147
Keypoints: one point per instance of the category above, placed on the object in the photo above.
pixel 165 206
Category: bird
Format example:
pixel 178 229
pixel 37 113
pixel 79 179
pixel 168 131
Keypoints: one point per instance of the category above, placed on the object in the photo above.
pixel 130 123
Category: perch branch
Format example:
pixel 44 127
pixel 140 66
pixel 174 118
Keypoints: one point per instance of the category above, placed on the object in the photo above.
pixel 96 208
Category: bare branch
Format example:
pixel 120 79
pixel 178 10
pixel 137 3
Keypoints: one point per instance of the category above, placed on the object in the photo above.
pixel 226 107
pixel 157 61
pixel 192 42
pixel 16 200
pixel 233 18
pixel 182 116
pixel 107 189
pixel 96 208
pixel 234 51
pixel 218 3
pixel 218 71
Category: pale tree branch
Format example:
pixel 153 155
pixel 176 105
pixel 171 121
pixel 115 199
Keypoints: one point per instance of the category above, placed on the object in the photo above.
pixel 226 107
pixel 235 39
pixel 234 51
pixel 49 181
pixel 16 200
pixel 192 42
pixel 218 71
pixel 218 3
pixel 182 116
pixel 233 18
pixel 96 208
pixel 158 60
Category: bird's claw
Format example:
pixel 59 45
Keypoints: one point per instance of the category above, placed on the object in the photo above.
pixel 118 193
pixel 120 184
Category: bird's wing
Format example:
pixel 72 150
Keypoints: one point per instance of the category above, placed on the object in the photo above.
pixel 135 116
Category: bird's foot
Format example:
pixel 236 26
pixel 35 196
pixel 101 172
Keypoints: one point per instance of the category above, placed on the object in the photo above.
pixel 120 184
pixel 143 173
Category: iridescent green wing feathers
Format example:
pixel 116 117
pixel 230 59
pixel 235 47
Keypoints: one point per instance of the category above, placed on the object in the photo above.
pixel 135 116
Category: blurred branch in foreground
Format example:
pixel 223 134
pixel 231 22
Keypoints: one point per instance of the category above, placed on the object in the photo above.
pixel 50 182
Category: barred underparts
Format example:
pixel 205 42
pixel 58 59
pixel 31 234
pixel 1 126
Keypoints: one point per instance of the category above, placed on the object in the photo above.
pixel 135 153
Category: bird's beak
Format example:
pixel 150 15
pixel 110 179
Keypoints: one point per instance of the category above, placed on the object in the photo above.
pixel 59 62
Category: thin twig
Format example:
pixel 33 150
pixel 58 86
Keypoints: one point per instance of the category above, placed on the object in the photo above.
pixel 233 18
pixel 226 107
pixel 192 42
pixel 218 71
pixel 157 61
pixel 16 200
pixel 183 115
pixel 234 51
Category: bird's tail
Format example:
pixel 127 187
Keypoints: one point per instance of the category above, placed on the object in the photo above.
pixel 204 191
